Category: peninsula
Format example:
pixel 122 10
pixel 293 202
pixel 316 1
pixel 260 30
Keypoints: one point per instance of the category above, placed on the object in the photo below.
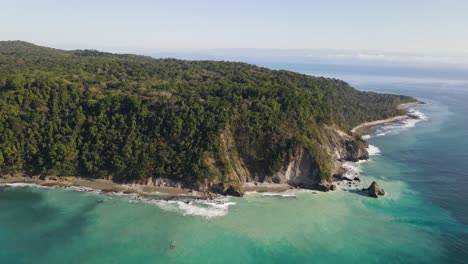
pixel 207 126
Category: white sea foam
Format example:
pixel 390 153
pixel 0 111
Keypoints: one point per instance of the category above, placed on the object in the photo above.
pixel 209 209
pixel 18 184
pixel 278 194
pixel 373 150
pixel 205 208
pixel 285 194
pixel 22 184
pixel 352 169
pixel 411 122
pixel 418 114
pixel 83 189
pixel 394 128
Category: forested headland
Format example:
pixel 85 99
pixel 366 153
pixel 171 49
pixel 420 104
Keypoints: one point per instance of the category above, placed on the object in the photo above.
pixel 95 114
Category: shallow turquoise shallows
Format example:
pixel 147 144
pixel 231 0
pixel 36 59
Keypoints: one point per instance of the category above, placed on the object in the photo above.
pixel 423 218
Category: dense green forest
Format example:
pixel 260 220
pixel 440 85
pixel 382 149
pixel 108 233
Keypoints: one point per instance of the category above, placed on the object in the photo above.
pixel 98 114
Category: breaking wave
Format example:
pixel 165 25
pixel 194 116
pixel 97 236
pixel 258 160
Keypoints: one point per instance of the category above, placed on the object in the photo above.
pixel 205 208
pixel 216 207
pixel 415 116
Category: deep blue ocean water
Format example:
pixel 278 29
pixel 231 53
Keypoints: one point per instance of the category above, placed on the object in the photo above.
pixel 422 165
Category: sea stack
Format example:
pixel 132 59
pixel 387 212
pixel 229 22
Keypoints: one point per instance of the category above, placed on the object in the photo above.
pixel 374 190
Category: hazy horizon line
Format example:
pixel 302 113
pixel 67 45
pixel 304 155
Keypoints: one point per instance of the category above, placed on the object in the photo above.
pixel 294 55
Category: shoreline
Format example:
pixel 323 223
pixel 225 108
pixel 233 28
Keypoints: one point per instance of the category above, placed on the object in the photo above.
pixel 156 192
pixel 266 187
pixel 105 186
pixel 364 127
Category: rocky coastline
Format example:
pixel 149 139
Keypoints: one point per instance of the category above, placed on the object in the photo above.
pixel 297 174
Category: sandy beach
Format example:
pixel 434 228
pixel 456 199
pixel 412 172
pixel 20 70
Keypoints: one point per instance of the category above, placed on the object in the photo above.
pixel 104 186
pixel 406 105
pixel 364 127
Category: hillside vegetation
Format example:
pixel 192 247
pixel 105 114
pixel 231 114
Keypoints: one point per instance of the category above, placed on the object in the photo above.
pixel 96 114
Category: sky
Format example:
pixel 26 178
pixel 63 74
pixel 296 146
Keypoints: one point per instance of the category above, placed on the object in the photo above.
pixel 398 26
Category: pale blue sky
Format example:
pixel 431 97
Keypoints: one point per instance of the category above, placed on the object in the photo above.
pixel 428 26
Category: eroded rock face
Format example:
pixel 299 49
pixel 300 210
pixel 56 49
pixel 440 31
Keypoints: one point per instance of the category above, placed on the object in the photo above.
pixel 353 152
pixel 300 170
pixel 149 181
pixel 344 147
pixel 375 190
pixel 166 182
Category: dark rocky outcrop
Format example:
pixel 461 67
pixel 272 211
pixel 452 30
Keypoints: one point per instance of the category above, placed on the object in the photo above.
pixel 354 150
pixel 375 190
pixel 344 178
pixel 323 187
pixel 230 190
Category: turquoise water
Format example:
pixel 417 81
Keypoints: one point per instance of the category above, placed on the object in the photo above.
pixel 422 219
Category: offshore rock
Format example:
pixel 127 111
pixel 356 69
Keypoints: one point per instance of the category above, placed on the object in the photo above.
pixel 374 190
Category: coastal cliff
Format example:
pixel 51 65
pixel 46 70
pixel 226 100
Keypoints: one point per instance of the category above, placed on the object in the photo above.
pixel 209 126
pixel 299 168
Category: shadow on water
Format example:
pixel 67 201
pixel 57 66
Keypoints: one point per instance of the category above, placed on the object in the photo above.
pixel 45 228
pixel 361 192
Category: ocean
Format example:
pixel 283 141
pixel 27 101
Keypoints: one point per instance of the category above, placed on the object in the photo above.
pixel 422 165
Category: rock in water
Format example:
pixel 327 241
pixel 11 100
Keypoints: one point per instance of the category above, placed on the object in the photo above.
pixel 344 178
pixel 375 190
pixel 172 246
